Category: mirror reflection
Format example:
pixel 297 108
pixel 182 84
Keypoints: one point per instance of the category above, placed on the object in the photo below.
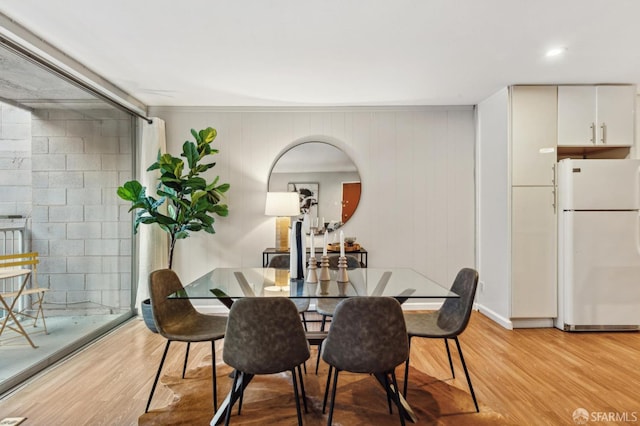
pixel 326 179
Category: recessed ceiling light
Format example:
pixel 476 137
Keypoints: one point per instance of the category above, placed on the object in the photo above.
pixel 556 51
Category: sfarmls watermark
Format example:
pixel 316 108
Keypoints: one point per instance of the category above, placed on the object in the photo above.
pixel 583 417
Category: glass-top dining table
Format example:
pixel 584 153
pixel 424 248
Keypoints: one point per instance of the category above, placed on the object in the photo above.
pixel 227 284
pixel 401 283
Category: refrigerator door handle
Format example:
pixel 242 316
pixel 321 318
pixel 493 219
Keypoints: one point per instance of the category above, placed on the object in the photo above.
pixel 555 189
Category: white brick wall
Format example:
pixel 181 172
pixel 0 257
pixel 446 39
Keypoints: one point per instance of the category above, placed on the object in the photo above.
pixel 15 160
pixel 62 169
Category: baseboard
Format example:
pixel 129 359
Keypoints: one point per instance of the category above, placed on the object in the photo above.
pixel 504 322
pixel 532 322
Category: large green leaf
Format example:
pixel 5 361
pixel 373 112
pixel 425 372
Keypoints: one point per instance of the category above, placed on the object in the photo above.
pixel 220 209
pixel 131 190
pixel 195 183
pixel 208 135
pixel 190 152
pixel 223 188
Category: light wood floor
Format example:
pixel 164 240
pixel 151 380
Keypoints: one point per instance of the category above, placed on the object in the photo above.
pixel 532 377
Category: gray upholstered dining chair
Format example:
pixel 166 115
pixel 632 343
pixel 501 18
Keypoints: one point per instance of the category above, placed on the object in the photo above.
pixel 447 323
pixel 359 342
pixel 264 336
pixel 178 321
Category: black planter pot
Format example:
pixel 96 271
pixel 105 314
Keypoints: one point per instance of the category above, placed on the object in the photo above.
pixel 147 315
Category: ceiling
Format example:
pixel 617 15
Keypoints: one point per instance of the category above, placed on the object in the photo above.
pixel 338 52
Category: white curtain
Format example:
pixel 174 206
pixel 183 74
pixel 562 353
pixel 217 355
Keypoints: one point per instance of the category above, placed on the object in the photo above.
pixel 153 243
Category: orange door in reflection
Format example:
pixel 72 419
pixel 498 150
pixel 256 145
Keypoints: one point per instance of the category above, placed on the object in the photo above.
pixel 350 199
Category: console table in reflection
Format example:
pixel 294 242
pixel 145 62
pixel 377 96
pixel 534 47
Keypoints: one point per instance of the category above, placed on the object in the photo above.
pixel 361 255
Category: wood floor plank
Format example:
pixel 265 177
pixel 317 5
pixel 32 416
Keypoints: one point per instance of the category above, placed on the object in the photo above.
pixel 533 376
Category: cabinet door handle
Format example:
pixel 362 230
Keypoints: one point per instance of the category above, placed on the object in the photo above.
pixel 553 203
pixel 604 133
pixel 593 133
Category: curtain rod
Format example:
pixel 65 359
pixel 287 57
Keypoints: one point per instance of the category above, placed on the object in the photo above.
pixel 49 66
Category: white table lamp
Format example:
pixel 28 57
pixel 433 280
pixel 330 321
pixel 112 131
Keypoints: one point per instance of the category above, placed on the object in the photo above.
pixel 283 205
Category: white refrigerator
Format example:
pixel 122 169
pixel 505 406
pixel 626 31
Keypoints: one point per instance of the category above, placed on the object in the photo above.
pixel 598 245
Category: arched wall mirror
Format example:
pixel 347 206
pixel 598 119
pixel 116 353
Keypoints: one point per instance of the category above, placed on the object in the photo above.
pixel 326 179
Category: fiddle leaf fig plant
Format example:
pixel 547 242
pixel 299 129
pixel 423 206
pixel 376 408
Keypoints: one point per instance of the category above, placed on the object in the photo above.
pixel 190 200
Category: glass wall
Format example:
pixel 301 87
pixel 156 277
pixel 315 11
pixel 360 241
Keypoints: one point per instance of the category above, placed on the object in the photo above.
pixel 63 153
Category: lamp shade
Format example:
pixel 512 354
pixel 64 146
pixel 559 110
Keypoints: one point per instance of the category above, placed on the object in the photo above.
pixel 282 204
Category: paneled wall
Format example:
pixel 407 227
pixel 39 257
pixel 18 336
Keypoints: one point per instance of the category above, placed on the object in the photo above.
pixel 417 169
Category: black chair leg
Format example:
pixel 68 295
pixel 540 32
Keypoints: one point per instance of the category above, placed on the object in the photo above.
pixel 186 358
pixel 406 370
pixel 396 396
pixel 324 321
pixel 214 379
pixel 304 321
pixel 387 388
pixel 233 390
pixel 333 397
pixel 241 395
pixel 295 392
pixel 155 382
pixel 466 373
pixel 326 389
pixel 446 343
pixel 304 395
pixel 318 358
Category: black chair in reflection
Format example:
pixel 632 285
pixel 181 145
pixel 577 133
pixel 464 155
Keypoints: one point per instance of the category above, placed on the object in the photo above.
pixel 282 261
pixel 447 323
pixel 178 321
pixel 326 307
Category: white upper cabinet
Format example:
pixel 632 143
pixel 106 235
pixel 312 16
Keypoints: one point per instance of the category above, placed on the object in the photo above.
pixel 596 115
pixel 616 115
pixel 534 118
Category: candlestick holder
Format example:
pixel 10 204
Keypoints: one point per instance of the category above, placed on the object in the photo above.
pixel 312 275
pixel 324 287
pixel 324 268
pixel 343 277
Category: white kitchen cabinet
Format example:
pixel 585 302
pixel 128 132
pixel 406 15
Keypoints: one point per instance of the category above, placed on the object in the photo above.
pixel 533 252
pixel 533 130
pixel 533 134
pixel 596 115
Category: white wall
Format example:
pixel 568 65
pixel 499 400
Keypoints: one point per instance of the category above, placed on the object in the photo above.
pixel 493 248
pixel 416 165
